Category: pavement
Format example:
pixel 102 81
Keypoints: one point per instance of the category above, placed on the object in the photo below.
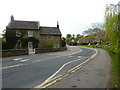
pixel 95 74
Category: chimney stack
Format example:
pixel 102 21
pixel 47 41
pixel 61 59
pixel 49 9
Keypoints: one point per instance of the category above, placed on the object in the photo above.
pixel 57 24
pixel 12 18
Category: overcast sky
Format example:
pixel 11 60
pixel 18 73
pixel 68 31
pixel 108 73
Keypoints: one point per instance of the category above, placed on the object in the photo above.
pixel 74 16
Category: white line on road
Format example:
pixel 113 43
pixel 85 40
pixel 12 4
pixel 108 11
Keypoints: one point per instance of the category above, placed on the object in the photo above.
pixel 79 56
pixel 75 52
pixel 36 60
pixel 71 56
pixel 24 60
pixel 39 86
pixel 12 66
pixel 17 59
pixel 60 70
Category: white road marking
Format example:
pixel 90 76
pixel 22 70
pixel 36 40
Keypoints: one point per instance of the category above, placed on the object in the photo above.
pixel 24 60
pixel 71 56
pixel 37 60
pixel 60 70
pixel 67 54
pixel 79 56
pixel 77 52
pixel 73 53
pixel 64 66
pixel 12 66
pixel 17 59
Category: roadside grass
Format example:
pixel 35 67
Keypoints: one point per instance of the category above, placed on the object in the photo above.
pixel 115 61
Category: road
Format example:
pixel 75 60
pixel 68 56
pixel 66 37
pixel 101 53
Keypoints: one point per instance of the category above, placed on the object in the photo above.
pixel 96 74
pixel 31 70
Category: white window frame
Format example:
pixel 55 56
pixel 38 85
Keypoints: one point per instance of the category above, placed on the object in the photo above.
pixel 30 33
pixel 18 33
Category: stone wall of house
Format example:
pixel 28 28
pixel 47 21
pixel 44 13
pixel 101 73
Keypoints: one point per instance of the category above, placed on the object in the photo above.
pixel 44 42
pixel 13 52
pixel 43 50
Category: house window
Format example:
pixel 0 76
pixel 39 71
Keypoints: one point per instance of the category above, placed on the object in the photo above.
pixel 18 46
pixel 50 37
pixel 30 33
pixel 18 33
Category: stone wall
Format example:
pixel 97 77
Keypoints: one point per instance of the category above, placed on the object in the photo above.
pixel 44 42
pixel 43 50
pixel 12 52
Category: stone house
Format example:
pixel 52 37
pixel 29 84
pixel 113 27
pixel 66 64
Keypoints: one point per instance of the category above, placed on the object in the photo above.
pixel 30 35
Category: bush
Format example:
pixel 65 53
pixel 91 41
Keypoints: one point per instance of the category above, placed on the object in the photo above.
pixel 63 43
pixel 50 45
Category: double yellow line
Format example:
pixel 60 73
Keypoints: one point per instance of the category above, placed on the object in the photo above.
pixel 66 74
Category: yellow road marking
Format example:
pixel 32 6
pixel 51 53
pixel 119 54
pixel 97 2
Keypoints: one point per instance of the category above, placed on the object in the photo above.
pixel 60 77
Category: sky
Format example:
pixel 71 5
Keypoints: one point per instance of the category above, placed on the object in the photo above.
pixel 74 16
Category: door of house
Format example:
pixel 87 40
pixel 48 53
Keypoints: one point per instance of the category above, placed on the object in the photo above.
pixel 30 48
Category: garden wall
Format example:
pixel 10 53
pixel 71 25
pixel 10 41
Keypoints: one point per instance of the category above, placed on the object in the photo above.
pixel 13 52
pixel 43 50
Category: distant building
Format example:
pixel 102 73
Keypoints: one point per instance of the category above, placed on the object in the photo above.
pixel 30 35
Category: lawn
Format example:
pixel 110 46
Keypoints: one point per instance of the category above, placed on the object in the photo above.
pixel 115 61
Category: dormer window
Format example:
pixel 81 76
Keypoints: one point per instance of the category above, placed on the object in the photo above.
pixel 18 33
pixel 30 33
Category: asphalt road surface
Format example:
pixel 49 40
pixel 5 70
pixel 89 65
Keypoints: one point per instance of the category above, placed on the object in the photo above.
pixel 95 75
pixel 29 71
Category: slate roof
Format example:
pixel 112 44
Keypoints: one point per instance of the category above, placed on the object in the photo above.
pixel 23 25
pixel 50 31
pixel 32 25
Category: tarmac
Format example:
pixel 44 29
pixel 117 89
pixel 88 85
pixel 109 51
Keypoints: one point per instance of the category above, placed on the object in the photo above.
pixel 95 74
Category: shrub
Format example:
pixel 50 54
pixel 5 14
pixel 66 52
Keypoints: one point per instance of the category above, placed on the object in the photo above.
pixel 63 43
pixel 50 45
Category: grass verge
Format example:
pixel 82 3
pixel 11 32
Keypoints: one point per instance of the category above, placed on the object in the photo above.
pixel 115 61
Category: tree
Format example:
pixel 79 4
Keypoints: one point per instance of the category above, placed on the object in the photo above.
pixel 68 36
pixel 97 32
pixel 112 26
pixel 78 36
pixel 100 35
pixel 73 36
pixel 63 43
pixel 97 26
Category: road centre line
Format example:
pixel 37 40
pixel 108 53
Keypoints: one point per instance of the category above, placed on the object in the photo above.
pixel 36 60
pixel 68 54
pixel 24 64
pixel 24 60
pixel 75 52
pixel 79 56
pixel 71 56
pixel 13 66
pixel 17 59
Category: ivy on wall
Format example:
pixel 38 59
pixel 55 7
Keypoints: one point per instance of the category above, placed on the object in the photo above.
pixel 12 39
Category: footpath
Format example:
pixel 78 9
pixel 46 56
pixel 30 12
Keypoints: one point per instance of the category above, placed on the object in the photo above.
pixel 95 74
